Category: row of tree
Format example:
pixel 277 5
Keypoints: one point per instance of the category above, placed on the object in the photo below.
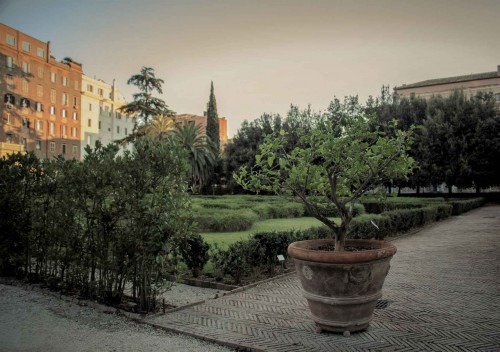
pixel 456 139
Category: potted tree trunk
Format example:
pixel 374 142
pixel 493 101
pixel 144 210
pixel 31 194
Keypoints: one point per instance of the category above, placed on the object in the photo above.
pixel 336 163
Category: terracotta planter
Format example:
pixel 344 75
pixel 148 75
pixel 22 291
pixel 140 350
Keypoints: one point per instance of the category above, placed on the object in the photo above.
pixel 342 288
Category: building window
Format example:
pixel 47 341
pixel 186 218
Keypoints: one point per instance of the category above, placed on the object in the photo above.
pixel 9 61
pixel 90 107
pixel 25 86
pixel 63 149
pixel 65 99
pixel 118 129
pixel 38 144
pixel 9 79
pixel 39 91
pixel 89 123
pixel 53 77
pixel 75 116
pixel 90 88
pixel 9 99
pixel 11 40
pixel 75 150
pixel 64 130
pixel 26 47
pixel 38 107
pixel 52 147
pixel 39 125
pixel 497 97
pixel 89 140
pixel 126 131
pixel 118 115
pixel 25 103
pixel 40 53
pixel 99 124
pixel 64 113
pixel 52 129
pixel 9 137
pixel 52 110
pixel 77 87
pixel 26 123
pixel 75 102
pixel 9 119
pixel 74 131
pixel 53 96
pixel 65 81
pixel 26 67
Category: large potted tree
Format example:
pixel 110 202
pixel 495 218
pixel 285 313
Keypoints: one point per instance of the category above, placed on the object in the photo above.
pixel 334 165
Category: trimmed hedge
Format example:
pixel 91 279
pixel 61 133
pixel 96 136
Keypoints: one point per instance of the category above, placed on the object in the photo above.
pixel 463 205
pixel 258 254
pixel 238 213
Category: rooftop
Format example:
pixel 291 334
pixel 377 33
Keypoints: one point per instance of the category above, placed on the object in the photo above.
pixel 455 79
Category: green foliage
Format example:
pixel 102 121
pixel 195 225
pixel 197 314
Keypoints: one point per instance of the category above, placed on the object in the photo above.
pixel 213 120
pixel 96 225
pixel 194 252
pixel 145 106
pixel 338 160
pixel 238 213
pixel 464 205
pixel 201 152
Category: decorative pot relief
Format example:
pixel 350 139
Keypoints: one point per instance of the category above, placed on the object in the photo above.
pixel 307 272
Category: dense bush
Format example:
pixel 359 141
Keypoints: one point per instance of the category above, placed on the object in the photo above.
pixel 194 252
pixel 95 226
pixel 258 254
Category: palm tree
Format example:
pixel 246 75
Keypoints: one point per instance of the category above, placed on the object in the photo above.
pixel 202 152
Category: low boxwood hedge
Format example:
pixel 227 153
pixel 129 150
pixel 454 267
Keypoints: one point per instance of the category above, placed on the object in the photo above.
pixel 259 253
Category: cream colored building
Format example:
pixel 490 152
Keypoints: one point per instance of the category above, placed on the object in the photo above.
pixel 101 119
pixel 471 85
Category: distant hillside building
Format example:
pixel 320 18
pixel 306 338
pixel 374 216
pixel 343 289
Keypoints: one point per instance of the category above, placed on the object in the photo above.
pixel 202 120
pixel 471 85
pixel 41 100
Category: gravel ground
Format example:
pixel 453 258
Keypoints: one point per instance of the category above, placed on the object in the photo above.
pixel 180 294
pixel 36 321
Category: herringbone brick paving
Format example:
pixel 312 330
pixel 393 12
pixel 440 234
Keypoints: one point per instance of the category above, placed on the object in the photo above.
pixel 443 294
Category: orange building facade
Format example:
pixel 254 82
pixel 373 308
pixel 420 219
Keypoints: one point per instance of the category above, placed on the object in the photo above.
pixel 41 98
pixel 202 120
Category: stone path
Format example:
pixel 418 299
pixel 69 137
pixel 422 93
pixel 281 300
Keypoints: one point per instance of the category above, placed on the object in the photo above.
pixel 442 294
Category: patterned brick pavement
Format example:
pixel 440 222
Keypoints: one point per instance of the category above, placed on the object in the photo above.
pixel 442 294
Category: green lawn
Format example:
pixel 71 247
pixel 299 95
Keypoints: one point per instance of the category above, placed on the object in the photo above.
pixel 224 239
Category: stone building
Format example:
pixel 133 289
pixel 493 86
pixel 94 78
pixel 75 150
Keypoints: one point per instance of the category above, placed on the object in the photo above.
pixel 470 84
pixel 101 119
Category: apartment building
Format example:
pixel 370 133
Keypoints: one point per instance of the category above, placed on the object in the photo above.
pixel 202 120
pixel 40 107
pixel 101 119
pixel 471 85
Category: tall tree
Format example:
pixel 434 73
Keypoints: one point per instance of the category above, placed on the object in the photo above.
pixel 145 106
pixel 201 153
pixel 213 119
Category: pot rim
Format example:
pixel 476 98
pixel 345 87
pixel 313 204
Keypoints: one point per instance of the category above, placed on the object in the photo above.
pixel 301 250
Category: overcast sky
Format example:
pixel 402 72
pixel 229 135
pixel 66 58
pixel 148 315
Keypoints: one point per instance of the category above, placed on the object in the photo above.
pixel 265 55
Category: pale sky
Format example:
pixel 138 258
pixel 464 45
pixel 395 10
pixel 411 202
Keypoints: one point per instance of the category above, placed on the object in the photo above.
pixel 265 55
